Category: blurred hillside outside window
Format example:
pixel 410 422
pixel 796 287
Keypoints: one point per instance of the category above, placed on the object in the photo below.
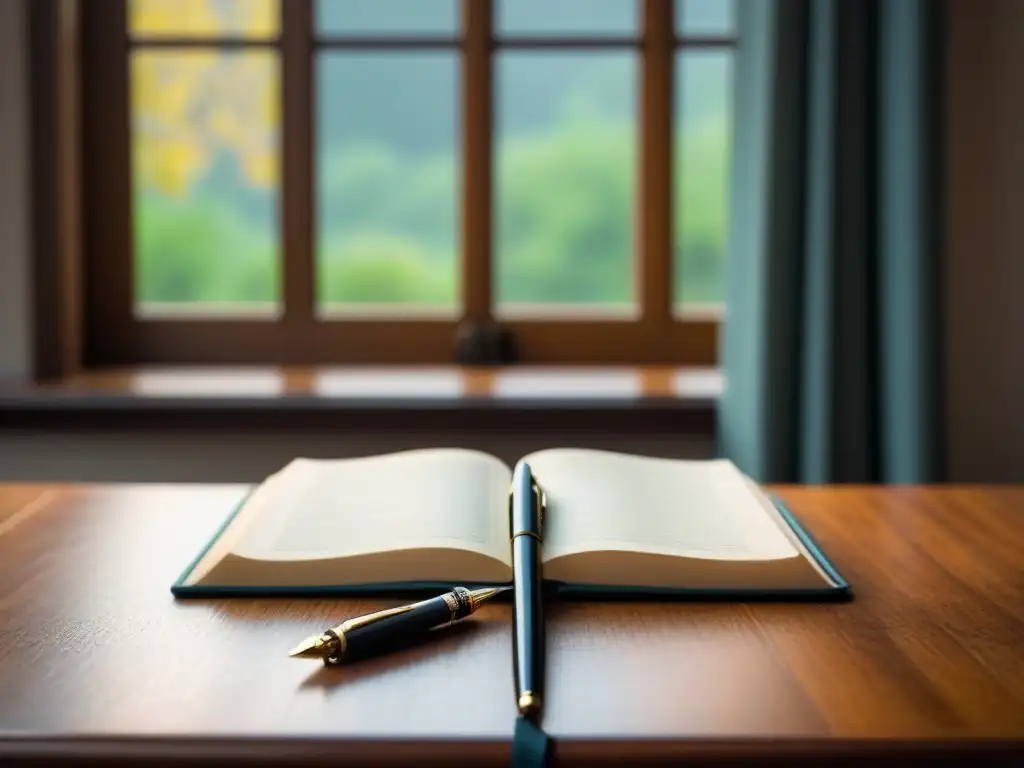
pixel 387 158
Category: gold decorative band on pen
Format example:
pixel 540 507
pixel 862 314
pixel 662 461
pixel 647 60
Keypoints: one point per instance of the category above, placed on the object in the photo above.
pixel 337 647
pixel 453 606
pixel 525 533
pixel 529 702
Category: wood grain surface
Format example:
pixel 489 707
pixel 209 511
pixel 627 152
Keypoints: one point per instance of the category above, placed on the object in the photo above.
pixel 97 659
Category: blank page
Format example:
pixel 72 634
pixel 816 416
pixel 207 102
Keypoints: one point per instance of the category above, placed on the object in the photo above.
pixel 598 500
pixel 414 499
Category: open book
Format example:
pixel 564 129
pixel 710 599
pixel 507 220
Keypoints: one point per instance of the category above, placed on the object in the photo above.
pixel 440 516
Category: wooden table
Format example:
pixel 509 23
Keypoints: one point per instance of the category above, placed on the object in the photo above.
pixel 98 661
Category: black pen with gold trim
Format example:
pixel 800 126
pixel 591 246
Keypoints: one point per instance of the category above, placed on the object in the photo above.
pixel 373 633
pixel 526 520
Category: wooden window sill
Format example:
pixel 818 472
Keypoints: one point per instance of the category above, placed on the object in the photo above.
pixel 394 386
pixel 319 396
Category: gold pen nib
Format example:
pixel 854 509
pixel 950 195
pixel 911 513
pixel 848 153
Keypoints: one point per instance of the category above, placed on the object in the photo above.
pixel 313 647
pixel 479 596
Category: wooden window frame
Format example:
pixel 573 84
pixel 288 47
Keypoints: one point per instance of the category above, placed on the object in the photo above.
pixel 115 336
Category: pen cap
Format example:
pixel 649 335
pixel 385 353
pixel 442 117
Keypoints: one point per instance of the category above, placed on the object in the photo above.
pixel 526 503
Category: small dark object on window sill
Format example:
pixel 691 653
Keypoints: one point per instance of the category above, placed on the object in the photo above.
pixel 485 344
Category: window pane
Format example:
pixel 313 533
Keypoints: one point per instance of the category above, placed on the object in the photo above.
pixel 702 159
pixel 565 17
pixel 203 18
pixel 705 17
pixel 387 166
pixel 565 179
pixel 346 17
pixel 205 168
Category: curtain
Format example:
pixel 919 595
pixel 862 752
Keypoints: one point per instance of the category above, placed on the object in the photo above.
pixel 830 347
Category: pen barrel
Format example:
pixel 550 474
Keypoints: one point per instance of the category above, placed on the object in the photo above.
pixel 393 632
pixel 528 620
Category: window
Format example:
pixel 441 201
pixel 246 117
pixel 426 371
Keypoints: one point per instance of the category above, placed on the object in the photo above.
pixel 350 180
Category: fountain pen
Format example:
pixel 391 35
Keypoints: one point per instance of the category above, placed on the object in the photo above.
pixel 373 633
pixel 526 512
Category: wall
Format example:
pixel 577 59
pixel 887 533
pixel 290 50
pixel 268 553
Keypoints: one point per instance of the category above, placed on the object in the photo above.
pixel 15 245
pixel 985 247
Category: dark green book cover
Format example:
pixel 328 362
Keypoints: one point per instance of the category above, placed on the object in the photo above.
pixel 840 590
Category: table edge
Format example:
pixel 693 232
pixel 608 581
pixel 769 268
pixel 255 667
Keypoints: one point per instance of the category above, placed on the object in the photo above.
pixel 324 749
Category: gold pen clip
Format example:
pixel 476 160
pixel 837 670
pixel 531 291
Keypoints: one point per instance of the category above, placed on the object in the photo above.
pixel 542 503
pixel 370 618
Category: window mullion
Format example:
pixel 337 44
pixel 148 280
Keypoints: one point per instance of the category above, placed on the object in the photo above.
pixel 477 110
pixel 297 148
pixel 654 199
